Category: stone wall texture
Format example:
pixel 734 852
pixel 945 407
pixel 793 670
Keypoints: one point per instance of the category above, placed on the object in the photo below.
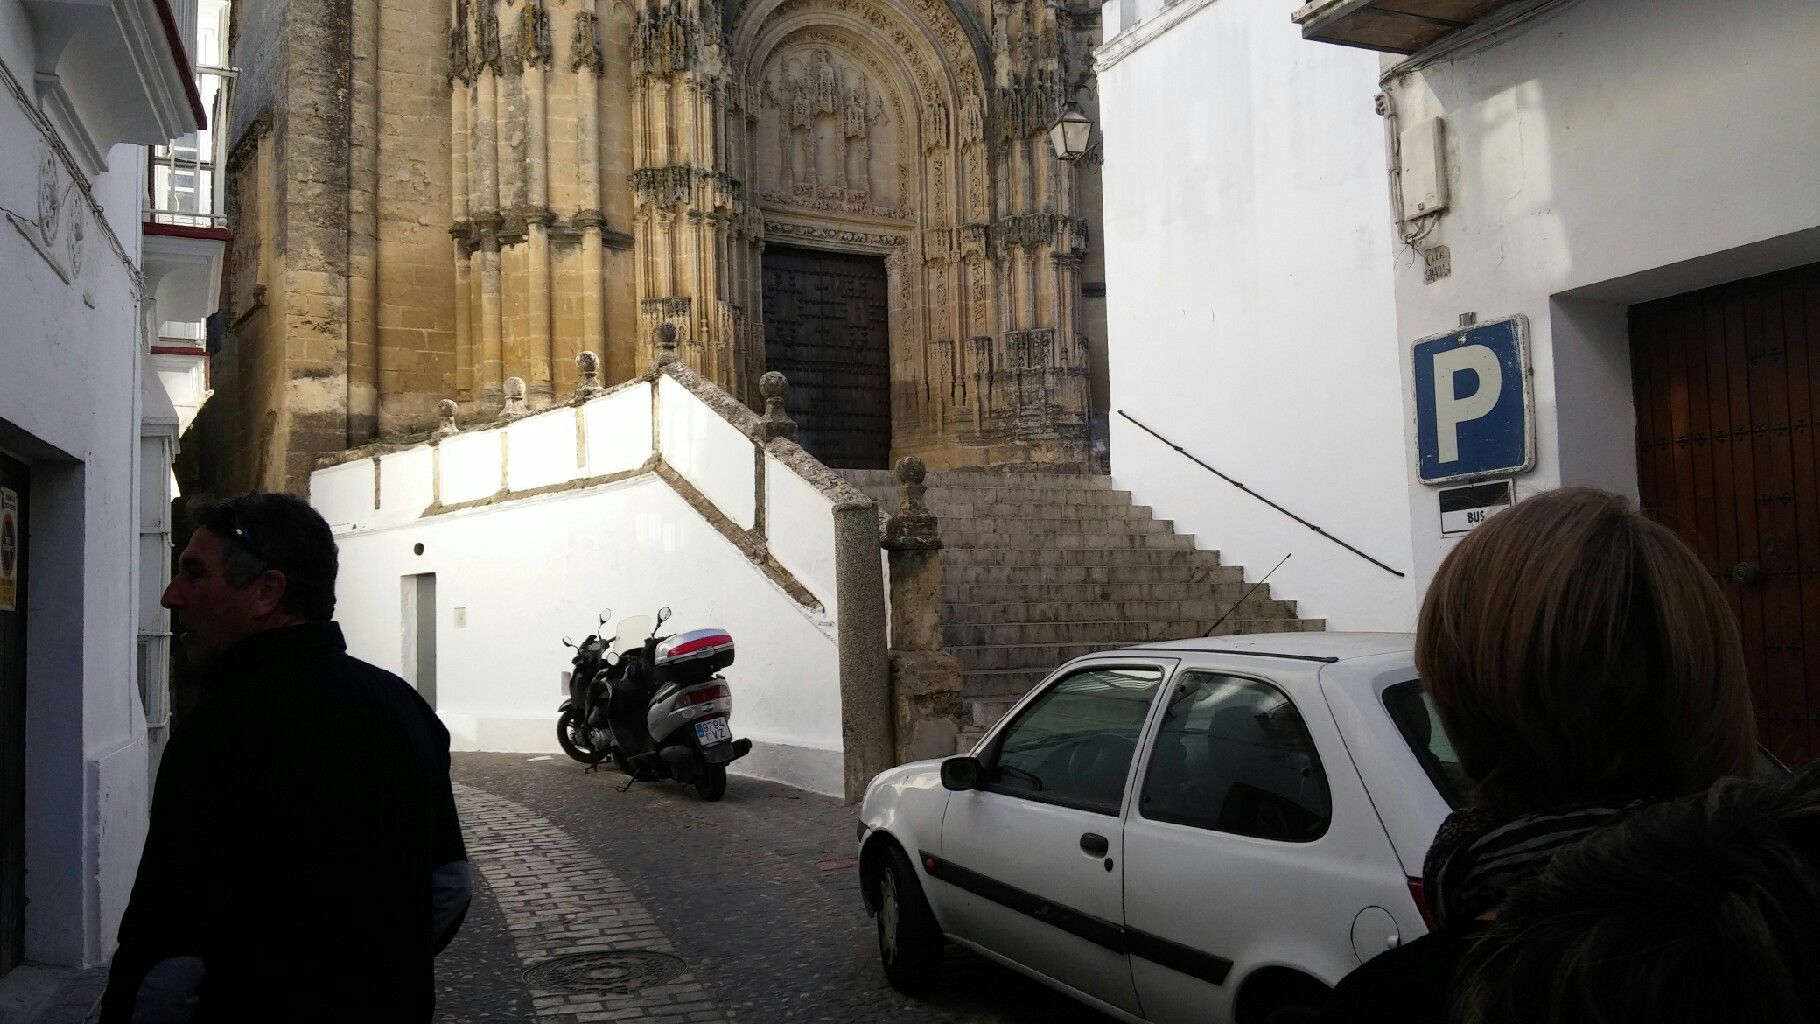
pixel 432 198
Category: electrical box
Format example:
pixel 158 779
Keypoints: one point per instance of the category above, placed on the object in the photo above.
pixel 1423 151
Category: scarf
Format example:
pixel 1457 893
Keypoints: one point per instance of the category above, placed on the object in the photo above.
pixel 1477 857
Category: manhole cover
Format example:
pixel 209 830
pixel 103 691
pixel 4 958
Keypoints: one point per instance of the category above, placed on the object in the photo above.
pixel 619 971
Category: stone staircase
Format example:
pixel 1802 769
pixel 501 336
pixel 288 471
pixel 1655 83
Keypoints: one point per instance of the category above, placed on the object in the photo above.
pixel 1038 568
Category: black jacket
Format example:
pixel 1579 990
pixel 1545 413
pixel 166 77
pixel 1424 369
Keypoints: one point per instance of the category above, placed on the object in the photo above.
pixel 299 812
pixel 1409 984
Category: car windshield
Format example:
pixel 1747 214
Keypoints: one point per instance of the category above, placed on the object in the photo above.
pixel 1414 713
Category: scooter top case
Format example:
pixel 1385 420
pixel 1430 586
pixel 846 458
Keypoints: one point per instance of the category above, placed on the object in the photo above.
pixel 693 656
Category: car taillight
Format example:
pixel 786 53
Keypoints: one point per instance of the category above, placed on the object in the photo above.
pixel 703 695
pixel 1421 898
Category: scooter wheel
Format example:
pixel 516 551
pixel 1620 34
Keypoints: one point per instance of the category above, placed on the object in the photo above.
pixel 571 735
pixel 711 784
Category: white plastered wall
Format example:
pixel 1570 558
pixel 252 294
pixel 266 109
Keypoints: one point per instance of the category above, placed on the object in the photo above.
pixel 70 409
pixel 1619 151
pixel 1250 301
pixel 514 575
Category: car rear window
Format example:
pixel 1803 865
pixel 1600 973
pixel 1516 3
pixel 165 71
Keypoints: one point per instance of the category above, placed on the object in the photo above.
pixel 1414 714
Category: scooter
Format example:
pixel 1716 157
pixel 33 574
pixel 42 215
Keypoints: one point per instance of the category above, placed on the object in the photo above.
pixel 581 724
pixel 661 703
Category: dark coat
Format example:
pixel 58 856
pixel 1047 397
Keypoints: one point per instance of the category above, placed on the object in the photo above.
pixel 299 812
pixel 1409 984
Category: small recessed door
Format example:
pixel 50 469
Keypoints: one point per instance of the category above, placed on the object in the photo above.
pixel 419 628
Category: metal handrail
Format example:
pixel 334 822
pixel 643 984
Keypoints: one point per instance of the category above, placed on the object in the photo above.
pixel 1188 455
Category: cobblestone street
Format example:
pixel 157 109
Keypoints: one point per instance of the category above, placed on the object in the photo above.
pixel 748 909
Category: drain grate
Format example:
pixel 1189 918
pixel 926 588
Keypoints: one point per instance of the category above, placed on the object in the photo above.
pixel 618 971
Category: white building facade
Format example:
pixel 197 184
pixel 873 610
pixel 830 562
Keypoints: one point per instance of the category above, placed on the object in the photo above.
pixel 85 441
pixel 1634 179
pixel 1250 290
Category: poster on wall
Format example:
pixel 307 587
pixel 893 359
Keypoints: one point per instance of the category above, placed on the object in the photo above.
pixel 9 550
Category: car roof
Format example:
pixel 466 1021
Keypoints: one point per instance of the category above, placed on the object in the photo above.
pixel 1322 647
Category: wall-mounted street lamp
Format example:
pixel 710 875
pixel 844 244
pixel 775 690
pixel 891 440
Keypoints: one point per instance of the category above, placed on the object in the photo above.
pixel 1071 133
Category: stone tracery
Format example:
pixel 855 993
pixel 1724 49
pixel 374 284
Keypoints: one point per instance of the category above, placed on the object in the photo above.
pixel 836 124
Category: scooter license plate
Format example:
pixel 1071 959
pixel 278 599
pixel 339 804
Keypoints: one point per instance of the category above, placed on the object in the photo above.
pixel 710 731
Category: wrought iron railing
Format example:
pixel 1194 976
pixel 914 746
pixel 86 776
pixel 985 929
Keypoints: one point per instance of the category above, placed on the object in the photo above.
pixel 1311 526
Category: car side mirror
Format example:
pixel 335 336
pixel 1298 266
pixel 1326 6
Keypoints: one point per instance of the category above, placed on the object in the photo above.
pixel 962 773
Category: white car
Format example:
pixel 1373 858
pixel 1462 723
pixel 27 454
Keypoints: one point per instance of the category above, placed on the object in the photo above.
pixel 1202 830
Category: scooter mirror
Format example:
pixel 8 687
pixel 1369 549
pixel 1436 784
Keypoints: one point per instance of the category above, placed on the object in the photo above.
pixel 663 614
pixel 566 642
pixel 605 614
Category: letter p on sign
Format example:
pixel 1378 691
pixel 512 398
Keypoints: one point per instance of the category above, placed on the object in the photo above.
pixel 1472 401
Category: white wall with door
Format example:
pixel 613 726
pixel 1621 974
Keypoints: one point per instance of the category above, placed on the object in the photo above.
pixel 1604 155
pixel 1250 298
pixel 82 88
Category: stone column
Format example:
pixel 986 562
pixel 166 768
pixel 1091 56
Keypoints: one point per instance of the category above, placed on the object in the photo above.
pixel 925 679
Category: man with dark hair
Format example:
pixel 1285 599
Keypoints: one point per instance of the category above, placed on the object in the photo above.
pixel 304 861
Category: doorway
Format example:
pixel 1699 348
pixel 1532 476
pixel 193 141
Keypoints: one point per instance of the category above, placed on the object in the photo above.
pixel 15 497
pixel 419 628
pixel 1727 389
pixel 827 329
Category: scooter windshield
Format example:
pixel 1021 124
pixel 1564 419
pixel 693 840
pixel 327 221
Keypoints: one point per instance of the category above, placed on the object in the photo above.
pixel 632 633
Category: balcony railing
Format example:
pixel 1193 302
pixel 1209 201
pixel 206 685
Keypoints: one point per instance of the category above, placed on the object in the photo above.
pixel 184 181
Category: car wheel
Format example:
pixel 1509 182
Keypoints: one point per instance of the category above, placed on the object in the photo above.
pixel 1294 1013
pixel 909 943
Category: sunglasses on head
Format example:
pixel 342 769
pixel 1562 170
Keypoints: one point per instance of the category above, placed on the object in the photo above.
pixel 239 532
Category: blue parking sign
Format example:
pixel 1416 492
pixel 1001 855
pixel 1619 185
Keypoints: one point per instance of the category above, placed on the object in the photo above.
pixel 1474 413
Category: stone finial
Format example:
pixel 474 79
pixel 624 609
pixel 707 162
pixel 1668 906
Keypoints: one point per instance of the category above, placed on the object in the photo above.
pixel 666 344
pixel 588 365
pixel 446 410
pixel 913 526
pixel 775 423
pixel 515 399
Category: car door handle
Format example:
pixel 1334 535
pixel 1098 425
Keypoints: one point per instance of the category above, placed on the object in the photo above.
pixel 1095 844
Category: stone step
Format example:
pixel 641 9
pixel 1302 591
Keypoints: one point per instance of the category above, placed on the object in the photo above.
pixel 982 713
pixel 1220 583
pixel 1023 656
pixel 1018 540
pixel 1108 632
pixel 1044 579
pixel 939 501
pixel 1098 512
pixel 959 559
pixel 1207 608
pixel 978 532
pixel 885 479
pixel 1001 682
pixel 1046 656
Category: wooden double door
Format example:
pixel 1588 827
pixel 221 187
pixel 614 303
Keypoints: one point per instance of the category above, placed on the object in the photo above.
pixel 1727 385
pixel 827 329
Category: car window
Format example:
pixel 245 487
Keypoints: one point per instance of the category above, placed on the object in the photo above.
pixel 1233 755
pixel 1414 713
pixel 1073 745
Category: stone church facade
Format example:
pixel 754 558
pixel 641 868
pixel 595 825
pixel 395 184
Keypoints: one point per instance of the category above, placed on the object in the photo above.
pixel 431 199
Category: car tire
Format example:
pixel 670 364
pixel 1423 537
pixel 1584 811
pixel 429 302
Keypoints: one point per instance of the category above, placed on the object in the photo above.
pixel 909 942
pixel 1294 1013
